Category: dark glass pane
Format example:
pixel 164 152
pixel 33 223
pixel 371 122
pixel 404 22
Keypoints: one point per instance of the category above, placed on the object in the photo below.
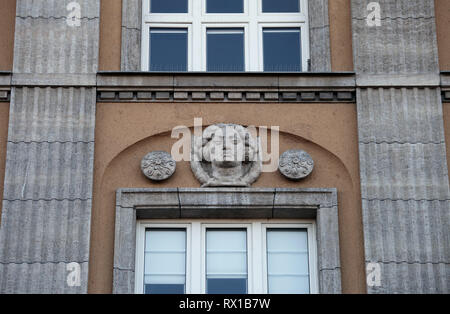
pixel 280 6
pixel 168 49
pixel 225 6
pixel 164 289
pixel 227 286
pixel 169 6
pixel 225 50
pixel 282 50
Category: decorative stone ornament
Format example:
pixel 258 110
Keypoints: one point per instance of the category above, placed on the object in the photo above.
pixel 226 155
pixel 158 166
pixel 296 164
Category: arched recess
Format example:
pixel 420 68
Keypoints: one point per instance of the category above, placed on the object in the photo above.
pixel 123 171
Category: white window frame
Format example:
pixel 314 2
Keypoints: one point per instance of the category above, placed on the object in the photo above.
pixel 197 20
pixel 196 250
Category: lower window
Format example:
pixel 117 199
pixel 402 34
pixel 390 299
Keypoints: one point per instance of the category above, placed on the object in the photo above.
pixel 232 257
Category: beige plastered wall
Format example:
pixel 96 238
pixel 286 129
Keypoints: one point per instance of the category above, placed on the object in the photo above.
pixel 7 25
pixel 126 132
pixel 443 35
pixel 110 35
pixel 340 35
pixel 4 119
pixel 443 32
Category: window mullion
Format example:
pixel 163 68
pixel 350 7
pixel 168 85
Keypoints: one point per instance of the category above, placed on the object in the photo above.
pixel 312 255
pixel 305 47
pixel 252 36
pixel 250 260
pixel 139 262
pixel 196 259
pixel 198 43
pixel 257 268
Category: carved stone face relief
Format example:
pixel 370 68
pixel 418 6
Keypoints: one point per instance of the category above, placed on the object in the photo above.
pixel 226 155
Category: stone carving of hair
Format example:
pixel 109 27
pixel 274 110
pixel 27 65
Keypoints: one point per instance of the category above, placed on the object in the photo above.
pixel 202 167
pixel 250 144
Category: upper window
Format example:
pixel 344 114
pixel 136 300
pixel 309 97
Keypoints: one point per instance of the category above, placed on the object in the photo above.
pixel 226 257
pixel 225 35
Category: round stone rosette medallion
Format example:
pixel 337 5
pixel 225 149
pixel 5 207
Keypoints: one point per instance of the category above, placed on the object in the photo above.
pixel 296 164
pixel 158 166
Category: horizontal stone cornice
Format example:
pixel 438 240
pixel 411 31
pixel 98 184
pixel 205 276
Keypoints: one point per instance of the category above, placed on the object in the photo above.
pixel 224 87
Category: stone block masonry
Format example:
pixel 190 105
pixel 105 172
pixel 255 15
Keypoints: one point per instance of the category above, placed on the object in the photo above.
pixel 404 177
pixel 46 213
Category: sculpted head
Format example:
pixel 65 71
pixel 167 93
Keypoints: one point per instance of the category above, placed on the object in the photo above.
pixel 232 154
pixel 227 146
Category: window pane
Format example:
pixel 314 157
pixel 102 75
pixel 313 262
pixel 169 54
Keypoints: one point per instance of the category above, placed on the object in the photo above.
pixel 225 6
pixel 169 6
pixel 287 261
pixel 227 286
pixel 225 50
pixel 168 49
pixel 164 289
pixel 226 261
pixel 282 50
pixel 280 6
pixel 165 261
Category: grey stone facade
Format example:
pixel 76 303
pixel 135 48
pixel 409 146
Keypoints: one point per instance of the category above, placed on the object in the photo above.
pixel 404 176
pixel 49 169
pixel 131 35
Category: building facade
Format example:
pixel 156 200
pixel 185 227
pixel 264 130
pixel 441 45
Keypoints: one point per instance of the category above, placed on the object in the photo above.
pixel 348 125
